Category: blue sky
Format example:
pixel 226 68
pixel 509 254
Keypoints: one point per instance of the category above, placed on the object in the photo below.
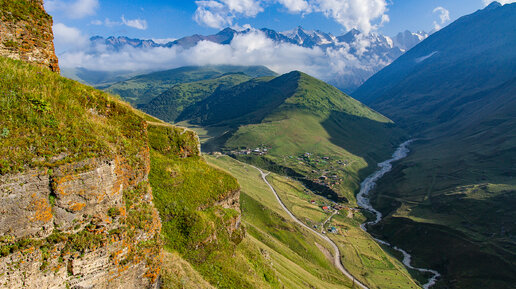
pixel 175 19
pixel 75 21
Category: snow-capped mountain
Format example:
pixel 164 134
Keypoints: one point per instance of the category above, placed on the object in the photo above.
pixel 406 40
pixel 354 56
pixel 309 38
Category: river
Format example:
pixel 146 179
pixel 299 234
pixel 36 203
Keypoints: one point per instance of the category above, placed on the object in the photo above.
pixel 364 202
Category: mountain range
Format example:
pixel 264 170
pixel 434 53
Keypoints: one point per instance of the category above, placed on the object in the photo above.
pixel 361 55
pixel 299 36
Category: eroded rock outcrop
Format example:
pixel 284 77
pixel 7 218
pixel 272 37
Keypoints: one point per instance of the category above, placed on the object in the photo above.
pixel 81 225
pixel 26 33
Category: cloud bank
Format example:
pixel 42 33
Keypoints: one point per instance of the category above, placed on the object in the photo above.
pixel 364 15
pixel 75 9
pixel 140 24
pixel 253 48
pixel 69 37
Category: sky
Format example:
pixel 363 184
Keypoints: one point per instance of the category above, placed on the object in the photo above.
pixel 164 19
pixel 75 21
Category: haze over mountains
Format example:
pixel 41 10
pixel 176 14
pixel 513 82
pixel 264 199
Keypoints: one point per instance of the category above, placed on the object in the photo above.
pixel 345 61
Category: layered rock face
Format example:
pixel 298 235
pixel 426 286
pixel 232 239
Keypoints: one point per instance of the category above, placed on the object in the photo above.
pixel 71 220
pixel 26 33
pixel 89 224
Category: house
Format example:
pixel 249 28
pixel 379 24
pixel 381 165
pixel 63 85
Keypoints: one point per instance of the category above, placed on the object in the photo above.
pixel 333 230
pixel 325 208
pixel 313 202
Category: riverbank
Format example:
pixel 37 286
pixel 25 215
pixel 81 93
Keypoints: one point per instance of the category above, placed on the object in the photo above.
pixel 364 202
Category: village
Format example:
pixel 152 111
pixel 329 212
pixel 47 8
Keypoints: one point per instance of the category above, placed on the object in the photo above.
pixel 324 170
pixel 334 209
pixel 261 150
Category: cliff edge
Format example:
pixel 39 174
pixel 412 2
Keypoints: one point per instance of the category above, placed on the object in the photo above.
pixel 84 179
pixel 26 33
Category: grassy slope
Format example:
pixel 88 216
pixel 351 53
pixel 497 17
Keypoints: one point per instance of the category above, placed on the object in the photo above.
pixel 48 121
pixel 142 89
pixel 180 187
pixel 300 114
pixel 361 255
pixel 55 117
pixel 458 184
pixel 292 251
pixel 169 105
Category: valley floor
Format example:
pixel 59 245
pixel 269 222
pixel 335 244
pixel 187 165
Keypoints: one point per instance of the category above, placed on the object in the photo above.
pixel 360 254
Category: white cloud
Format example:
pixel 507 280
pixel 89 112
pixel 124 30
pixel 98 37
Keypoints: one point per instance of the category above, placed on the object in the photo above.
pixel 364 15
pixel 503 2
pixel 444 16
pixel 212 14
pixel 110 23
pixel 140 24
pixel 247 8
pixel 68 37
pixel 163 40
pixel 296 6
pixel 253 48
pixel 73 9
pixel 135 23
pixel 357 14
pixel 96 22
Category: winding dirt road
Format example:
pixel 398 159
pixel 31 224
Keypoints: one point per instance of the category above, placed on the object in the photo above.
pixel 336 256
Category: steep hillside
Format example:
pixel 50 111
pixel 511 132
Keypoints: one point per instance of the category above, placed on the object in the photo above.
pixel 455 92
pixel 77 206
pixel 80 177
pixel 26 33
pixel 171 103
pixel 200 210
pixel 295 114
pixel 301 258
pixel 142 89
pixel 466 58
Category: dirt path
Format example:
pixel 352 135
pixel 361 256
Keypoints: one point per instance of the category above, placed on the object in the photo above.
pixel 336 256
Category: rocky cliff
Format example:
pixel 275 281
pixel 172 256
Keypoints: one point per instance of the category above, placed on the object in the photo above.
pixel 78 184
pixel 77 208
pixel 26 33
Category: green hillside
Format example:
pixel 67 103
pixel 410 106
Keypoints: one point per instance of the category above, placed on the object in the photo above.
pixel 48 121
pixel 37 112
pixel 185 191
pixel 169 105
pixel 97 78
pixel 294 114
pixel 300 258
pixel 458 184
pixel 143 88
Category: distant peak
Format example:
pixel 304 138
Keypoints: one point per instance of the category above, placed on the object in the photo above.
pixel 227 30
pixel 493 5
